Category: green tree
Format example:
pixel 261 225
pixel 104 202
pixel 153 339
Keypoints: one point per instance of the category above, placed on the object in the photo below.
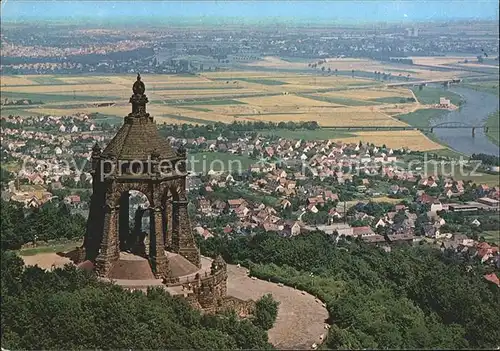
pixel 266 312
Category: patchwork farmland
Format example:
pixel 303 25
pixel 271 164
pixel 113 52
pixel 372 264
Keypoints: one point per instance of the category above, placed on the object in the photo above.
pixel 226 97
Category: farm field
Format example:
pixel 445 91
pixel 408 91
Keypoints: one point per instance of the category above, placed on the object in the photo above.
pixel 368 65
pixel 491 87
pixel 430 95
pixel 421 118
pixel 226 97
pixel 411 139
pixel 317 134
pixel 493 121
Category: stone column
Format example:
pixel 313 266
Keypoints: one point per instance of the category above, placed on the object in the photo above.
pixel 139 247
pixel 183 238
pixel 168 224
pixel 158 259
pixel 109 251
pixel 95 222
pixel 123 221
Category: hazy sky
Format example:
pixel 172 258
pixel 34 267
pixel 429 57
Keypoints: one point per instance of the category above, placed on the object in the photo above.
pixel 337 10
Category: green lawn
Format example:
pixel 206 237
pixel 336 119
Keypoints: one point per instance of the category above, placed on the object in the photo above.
pixel 317 134
pixel 47 81
pixel 493 122
pixel 491 87
pixel 13 166
pixel 202 162
pixel 491 236
pixel 421 118
pixel 429 95
pixel 449 153
pixel 54 247
pixel 392 100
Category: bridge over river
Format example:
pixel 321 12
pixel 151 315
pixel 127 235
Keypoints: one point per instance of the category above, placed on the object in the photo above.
pixel 463 129
pixel 444 125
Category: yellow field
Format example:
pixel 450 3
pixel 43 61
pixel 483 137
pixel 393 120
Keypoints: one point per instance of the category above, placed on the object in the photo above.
pixel 210 87
pixel 439 60
pixel 334 119
pixel 16 80
pixel 411 139
pixel 159 88
pixel 48 89
pixel 284 101
pixel 203 93
pixel 368 94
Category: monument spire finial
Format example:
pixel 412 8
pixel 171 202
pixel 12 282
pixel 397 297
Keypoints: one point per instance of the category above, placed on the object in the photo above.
pixel 139 99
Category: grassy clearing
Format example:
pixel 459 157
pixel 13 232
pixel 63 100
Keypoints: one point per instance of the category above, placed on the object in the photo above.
pixel 374 199
pixel 493 122
pixel 392 100
pixel 339 100
pixel 317 134
pixel 203 162
pixel 53 247
pixel 491 236
pixel 48 81
pixel 491 87
pixel 449 153
pixel 430 96
pixel 12 166
pixel 421 118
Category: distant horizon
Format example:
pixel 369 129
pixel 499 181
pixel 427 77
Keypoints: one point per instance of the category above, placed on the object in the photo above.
pixel 249 12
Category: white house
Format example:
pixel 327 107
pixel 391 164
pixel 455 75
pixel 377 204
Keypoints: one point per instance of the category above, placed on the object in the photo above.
pixel 436 206
pixel 380 223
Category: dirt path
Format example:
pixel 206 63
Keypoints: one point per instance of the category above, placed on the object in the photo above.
pixel 46 260
pixel 301 317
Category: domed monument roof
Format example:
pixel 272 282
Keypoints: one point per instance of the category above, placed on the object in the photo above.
pixel 138 138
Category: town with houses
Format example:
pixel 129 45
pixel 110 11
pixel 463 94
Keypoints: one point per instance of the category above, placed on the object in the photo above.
pixel 358 191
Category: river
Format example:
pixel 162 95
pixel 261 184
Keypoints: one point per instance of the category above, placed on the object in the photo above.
pixel 478 105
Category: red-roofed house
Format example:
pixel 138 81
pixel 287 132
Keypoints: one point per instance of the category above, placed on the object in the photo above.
pixel 492 277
